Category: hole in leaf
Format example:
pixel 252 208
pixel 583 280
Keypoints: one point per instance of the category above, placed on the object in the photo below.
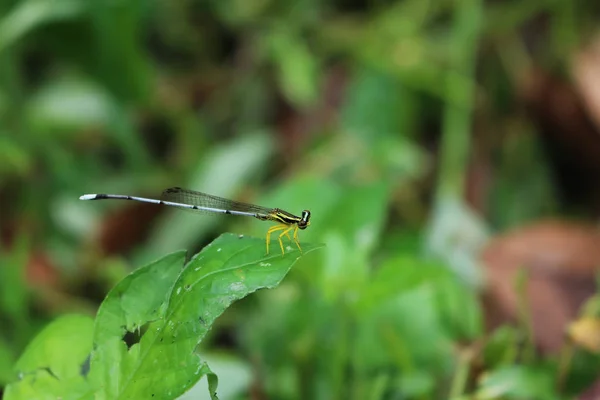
pixel 133 337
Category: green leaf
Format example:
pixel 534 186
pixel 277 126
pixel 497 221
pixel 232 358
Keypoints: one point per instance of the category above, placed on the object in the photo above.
pixel 15 159
pixel 134 302
pixel 53 365
pixel 459 308
pixel 415 383
pixel 117 40
pixel 29 15
pixel 456 306
pixel 502 347
pixel 406 330
pixel 163 363
pixel 375 106
pixel 518 382
pixel 7 359
pixel 352 240
pixel 239 12
pixel 367 204
pixel 298 69
pixel 530 196
pixel 68 106
pixel 232 369
pixel 13 289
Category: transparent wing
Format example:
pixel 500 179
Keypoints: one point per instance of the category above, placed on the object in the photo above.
pixel 191 197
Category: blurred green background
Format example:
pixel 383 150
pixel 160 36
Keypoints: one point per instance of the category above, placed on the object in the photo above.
pixel 415 131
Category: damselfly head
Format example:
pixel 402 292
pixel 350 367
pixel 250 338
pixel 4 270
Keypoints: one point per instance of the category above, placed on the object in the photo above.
pixel 305 221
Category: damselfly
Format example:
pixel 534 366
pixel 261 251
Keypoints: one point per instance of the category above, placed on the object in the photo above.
pixel 202 202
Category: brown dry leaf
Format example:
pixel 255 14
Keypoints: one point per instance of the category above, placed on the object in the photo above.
pixel 41 272
pixel 569 133
pixel 561 260
pixel 126 227
pixel 562 117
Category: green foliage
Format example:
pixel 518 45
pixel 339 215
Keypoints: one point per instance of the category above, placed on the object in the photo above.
pixel 376 116
pixel 169 306
pixel 518 382
pixel 52 365
pixel 14 303
pixel 387 329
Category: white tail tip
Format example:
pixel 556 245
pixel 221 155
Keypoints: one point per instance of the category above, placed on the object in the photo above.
pixel 87 197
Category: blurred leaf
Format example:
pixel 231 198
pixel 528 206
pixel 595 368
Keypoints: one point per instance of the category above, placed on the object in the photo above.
pixel 7 359
pixel 401 317
pixel 405 19
pixel 404 159
pixel 582 370
pixel 53 365
pixel 456 235
pixel 351 241
pixel 297 67
pixel 226 270
pixel 231 369
pixel 460 310
pixel 456 307
pixel 343 270
pixel 376 106
pixel 402 240
pixel 505 18
pixel 585 332
pixel 416 383
pixel 17 324
pixel 397 275
pixel 68 106
pixel 517 382
pixel 367 206
pixel 502 347
pixel 14 300
pixel 240 12
pixel 281 328
pixel 117 27
pixel 530 195
pixel 30 14
pixel 400 41
pixel 15 158
pixel 405 330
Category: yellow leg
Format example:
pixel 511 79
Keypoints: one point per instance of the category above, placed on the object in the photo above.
pixel 296 238
pixel 274 229
pixel 281 241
